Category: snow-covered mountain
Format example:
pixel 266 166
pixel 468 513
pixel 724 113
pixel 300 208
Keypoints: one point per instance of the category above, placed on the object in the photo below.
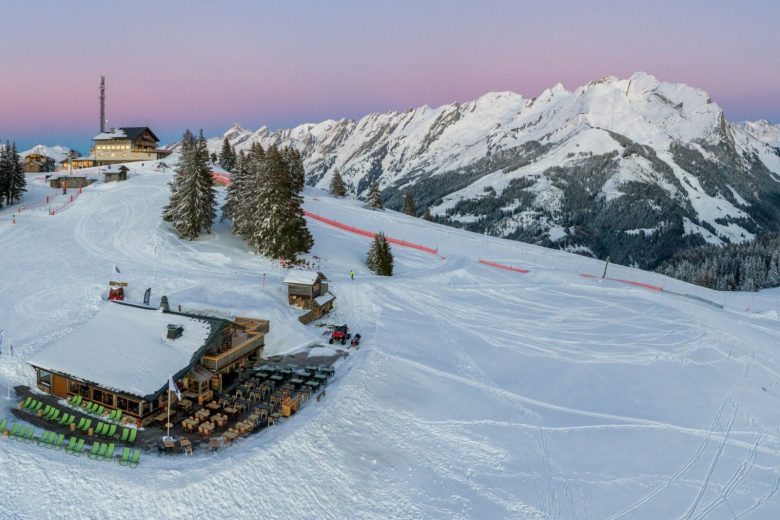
pixel 629 168
pixel 764 131
pixel 57 152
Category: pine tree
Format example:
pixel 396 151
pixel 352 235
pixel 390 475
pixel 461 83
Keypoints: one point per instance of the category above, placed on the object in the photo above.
pixel 6 171
pixel 374 197
pixel 380 256
pixel 337 186
pixel 427 215
pixel 272 219
pixel 409 207
pixel 227 156
pixel 192 204
pixel 18 182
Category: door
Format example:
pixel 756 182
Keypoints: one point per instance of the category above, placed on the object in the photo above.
pixel 59 385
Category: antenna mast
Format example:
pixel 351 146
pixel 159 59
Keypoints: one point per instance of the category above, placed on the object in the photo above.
pixel 102 104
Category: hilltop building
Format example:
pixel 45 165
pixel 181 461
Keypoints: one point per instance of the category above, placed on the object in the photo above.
pixel 128 144
pixel 37 163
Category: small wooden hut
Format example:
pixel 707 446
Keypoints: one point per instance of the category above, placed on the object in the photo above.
pixel 308 290
pixel 70 181
pixel 116 174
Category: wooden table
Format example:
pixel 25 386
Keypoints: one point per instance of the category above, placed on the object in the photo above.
pixel 169 445
pixel 190 424
pixel 213 406
pixel 161 418
pixel 205 429
pixel 320 377
pixel 202 414
pixel 186 446
pixel 219 420
pixel 230 436
pixel 231 411
pixel 185 404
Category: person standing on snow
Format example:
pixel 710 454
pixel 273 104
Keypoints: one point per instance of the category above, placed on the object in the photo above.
pixel 352 274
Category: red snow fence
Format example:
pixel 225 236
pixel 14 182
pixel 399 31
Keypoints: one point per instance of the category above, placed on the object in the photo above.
pixel 68 202
pixel 370 234
pixel 629 282
pixel 502 266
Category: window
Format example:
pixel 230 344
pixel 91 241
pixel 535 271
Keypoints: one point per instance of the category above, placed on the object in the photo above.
pixel 128 405
pixel 44 378
pixel 74 387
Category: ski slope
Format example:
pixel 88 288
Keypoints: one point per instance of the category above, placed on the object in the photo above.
pixel 477 392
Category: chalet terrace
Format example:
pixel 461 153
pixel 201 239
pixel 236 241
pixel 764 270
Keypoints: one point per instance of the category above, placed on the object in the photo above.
pixel 122 358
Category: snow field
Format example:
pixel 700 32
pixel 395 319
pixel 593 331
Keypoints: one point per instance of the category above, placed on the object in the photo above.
pixel 476 393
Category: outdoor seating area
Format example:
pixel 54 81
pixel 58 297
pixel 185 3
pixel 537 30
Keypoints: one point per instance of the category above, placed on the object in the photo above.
pixel 260 398
pixel 75 445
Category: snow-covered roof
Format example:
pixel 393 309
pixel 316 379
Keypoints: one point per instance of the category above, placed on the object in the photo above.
pixel 129 132
pixel 302 277
pixel 105 136
pixel 124 348
pixel 324 298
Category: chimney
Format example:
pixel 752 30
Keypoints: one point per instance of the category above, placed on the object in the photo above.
pixel 164 304
pixel 174 331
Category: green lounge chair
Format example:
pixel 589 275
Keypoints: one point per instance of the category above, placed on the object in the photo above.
pixel 70 420
pixel 133 433
pixel 93 452
pixel 89 407
pixel 77 400
pixel 44 438
pixel 86 425
pixel 26 402
pixel 79 448
pixel 38 406
pixel 24 434
pixel 81 423
pixel 100 410
pixel 57 443
pixel 102 452
pixel 71 445
pixel 71 399
pixel 46 411
pixel 20 433
pixel 125 433
pixel 2 425
pixel 125 456
pixel 111 431
pixel 30 435
pixel 63 419
pixel 109 455
pixel 54 415
pixel 30 405
pixel 99 429
pixel 14 430
pixel 134 459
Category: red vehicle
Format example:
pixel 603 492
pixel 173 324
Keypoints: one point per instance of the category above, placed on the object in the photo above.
pixel 116 293
pixel 341 334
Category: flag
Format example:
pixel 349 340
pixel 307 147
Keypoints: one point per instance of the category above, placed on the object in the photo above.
pixel 116 269
pixel 147 296
pixel 173 388
pixel 2 338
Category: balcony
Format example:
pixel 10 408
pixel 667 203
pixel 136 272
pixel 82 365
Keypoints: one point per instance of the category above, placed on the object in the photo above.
pixel 242 345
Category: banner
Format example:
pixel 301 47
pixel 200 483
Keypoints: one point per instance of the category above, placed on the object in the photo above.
pixel 147 296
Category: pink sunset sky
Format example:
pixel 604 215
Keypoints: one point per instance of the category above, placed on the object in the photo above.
pixel 173 65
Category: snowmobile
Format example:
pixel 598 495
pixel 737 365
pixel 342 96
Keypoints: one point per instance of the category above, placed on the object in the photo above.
pixel 341 334
pixel 116 290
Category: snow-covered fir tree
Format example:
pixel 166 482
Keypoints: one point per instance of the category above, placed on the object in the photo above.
pixel 409 207
pixel 192 205
pixel 12 180
pixel 337 186
pixel 267 211
pixel 427 215
pixel 374 197
pixel 380 256
pixel 227 156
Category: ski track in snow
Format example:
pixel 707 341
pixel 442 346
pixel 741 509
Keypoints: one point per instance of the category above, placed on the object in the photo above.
pixel 476 393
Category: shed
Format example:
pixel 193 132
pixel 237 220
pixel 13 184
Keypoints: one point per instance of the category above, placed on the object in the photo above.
pixel 70 181
pixel 308 290
pixel 116 174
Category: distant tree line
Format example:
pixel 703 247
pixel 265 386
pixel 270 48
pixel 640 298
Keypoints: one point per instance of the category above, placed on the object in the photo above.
pixel 12 181
pixel 748 266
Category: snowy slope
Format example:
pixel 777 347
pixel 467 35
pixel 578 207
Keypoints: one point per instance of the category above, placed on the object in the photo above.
pixel 764 131
pixel 477 393
pixel 553 168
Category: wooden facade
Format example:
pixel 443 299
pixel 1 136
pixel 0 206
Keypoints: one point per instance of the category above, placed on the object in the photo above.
pixel 231 346
pixel 38 163
pixel 77 163
pixel 116 175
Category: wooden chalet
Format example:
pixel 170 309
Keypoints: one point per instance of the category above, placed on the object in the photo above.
pixel 116 174
pixel 37 163
pixel 308 290
pixel 128 144
pixel 122 358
